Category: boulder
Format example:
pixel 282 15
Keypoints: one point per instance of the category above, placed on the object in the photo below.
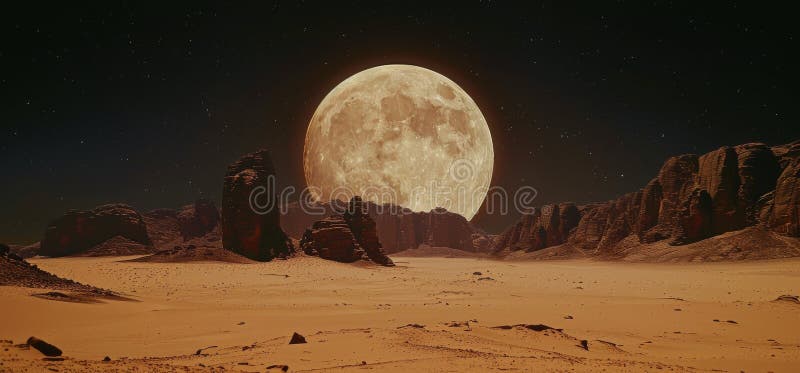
pixel 44 347
pixel 347 238
pixel 252 228
pixel 297 339
pixel 77 231
pixel 332 239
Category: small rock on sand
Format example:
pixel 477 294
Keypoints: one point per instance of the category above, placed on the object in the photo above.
pixel 44 347
pixel 297 339
pixel 280 367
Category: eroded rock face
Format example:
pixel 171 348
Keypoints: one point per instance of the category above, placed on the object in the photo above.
pixel 254 235
pixel 718 174
pixel 691 199
pixel 649 209
pixel 758 172
pixel 77 231
pixel 784 216
pixel 543 227
pixel 695 218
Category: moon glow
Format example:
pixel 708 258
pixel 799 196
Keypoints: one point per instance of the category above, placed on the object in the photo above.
pixel 400 134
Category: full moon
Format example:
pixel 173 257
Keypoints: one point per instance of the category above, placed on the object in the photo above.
pixel 400 134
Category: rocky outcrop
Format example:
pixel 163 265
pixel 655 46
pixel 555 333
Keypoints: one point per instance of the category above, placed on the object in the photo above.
pixel 78 231
pixel 331 239
pixel 252 227
pixel 198 219
pixel 163 227
pixel 346 237
pixel 692 198
pixel 365 231
pixel 397 227
pixel 543 227
pixel 444 229
pixel 168 228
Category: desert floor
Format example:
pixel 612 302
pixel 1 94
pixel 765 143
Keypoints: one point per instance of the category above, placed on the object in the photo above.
pixel 426 314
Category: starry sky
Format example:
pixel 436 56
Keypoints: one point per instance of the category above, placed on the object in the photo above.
pixel 147 104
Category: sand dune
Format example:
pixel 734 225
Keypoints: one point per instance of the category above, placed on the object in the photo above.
pixel 426 314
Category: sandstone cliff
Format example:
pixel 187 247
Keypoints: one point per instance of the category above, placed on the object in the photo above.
pixel 693 198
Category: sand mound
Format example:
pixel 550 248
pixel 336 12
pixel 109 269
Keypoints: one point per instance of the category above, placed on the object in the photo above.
pixel 190 253
pixel 15 271
pixel 747 244
pixel 436 251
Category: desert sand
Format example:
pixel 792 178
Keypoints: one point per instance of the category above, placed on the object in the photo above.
pixel 425 314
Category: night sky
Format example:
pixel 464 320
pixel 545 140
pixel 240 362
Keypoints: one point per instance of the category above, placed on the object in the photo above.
pixel 148 104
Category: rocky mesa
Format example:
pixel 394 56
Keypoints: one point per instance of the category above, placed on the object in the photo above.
pixel 693 198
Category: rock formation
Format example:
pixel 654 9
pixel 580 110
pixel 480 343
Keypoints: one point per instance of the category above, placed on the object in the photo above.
pixel 78 231
pixel 346 237
pixel 546 226
pixel 331 238
pixel 691 199
pixel 253 230
pixel 168 228
pixel 397 227
pixel 198 219
pixel 365 231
